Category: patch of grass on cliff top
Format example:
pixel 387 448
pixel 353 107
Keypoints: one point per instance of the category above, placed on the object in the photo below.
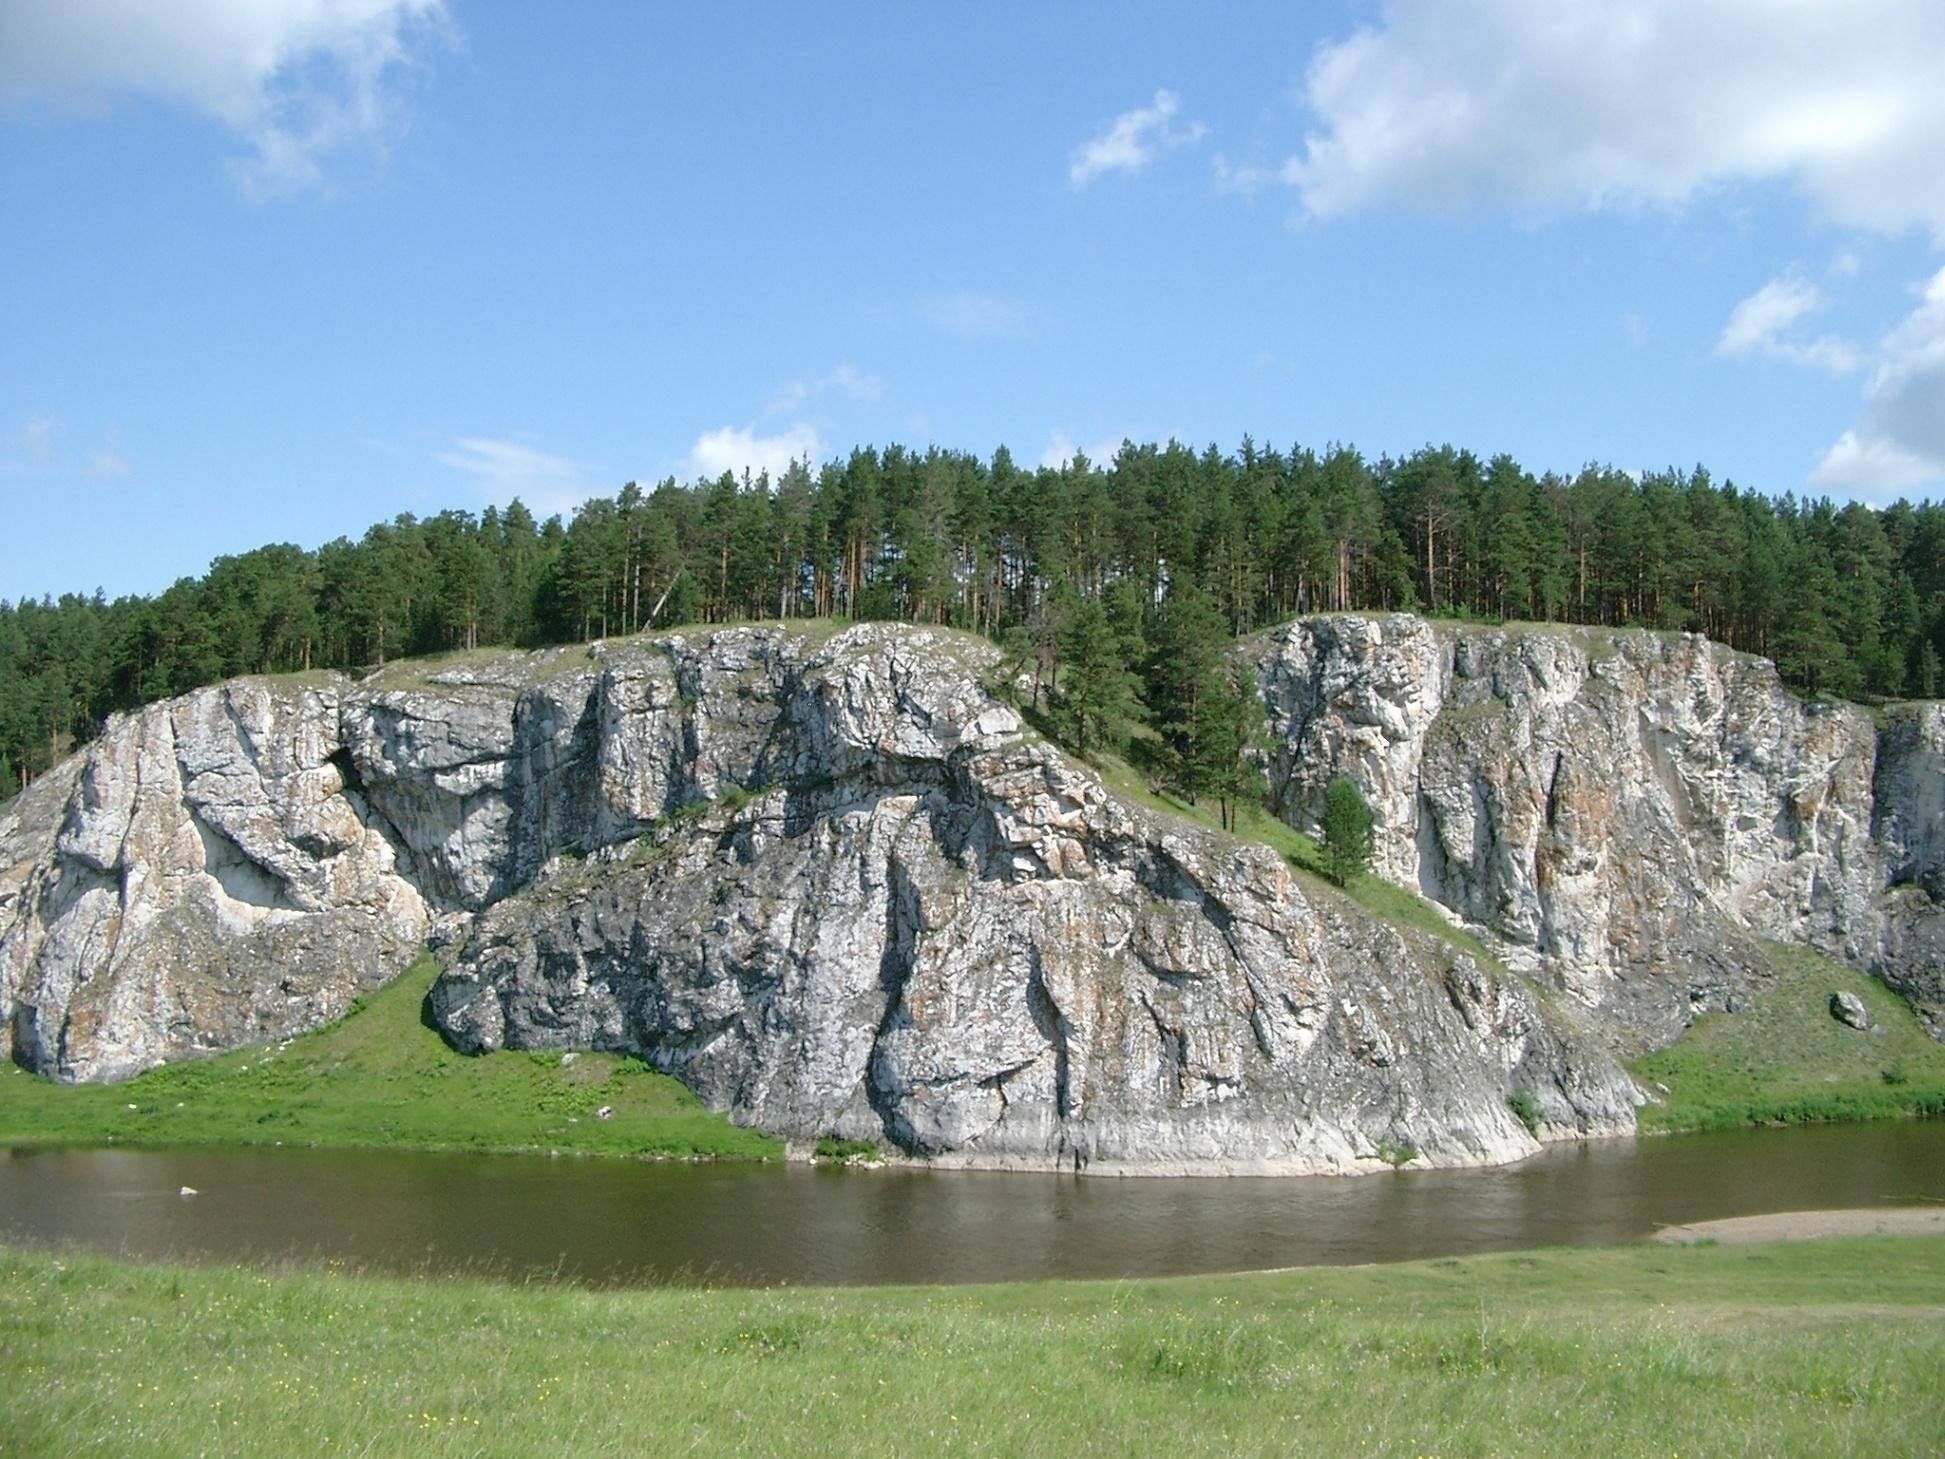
pixel 1823 1348
pixel 1786 1060
pixel 449 670
pixel 380 1078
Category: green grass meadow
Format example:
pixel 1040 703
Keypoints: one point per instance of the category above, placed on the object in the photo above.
pixel 1833 1348
pixel 380 1078
pixel 1785 1060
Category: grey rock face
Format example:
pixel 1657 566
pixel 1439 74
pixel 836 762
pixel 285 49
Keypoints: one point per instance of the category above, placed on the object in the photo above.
pixel 202 876
pixel 837 887
pixel 932 929
pixel 1849 1009
pixel 1621 810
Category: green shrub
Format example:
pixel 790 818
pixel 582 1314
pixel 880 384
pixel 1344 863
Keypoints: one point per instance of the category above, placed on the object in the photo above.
pixel 845 1151
pixel 1522 1103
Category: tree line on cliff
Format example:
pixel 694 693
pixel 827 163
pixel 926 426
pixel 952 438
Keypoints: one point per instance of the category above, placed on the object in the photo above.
pixel 1849 600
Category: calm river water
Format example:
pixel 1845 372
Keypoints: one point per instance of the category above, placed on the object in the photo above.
pixel 618 1223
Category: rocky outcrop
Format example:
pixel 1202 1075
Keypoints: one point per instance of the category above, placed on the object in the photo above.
pixel 1623 812
pixel 206 874
pixel 913 921
pixel 837 887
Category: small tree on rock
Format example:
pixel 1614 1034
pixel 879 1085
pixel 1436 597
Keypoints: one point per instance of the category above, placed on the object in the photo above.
pixel 1347 826
pixel 1096 695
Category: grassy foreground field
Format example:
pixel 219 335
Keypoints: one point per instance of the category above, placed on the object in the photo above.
pixel 379 1078
pixel 1786 1060
pixel 1815 1349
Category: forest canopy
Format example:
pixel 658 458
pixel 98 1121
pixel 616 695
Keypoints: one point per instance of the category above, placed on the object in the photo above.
pixel 1848 600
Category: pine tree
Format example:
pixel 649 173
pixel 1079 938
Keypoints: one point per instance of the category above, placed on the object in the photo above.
pixel 1348 832
pixel 1228 740
pixel 1184 669
pixel 1096 697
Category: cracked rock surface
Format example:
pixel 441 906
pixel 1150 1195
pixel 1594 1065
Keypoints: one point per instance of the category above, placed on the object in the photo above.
pixel 1622 811
pixel 836 887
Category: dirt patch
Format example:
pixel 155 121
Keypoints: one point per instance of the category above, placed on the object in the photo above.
pixel 1810 1225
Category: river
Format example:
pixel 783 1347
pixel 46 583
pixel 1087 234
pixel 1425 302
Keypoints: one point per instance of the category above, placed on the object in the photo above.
pixel 627 1223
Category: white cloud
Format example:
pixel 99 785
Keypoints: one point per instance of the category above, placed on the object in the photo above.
pixel 107 463
pixel 1757 320
pixel 1760 325
pixel 507 469
pixel 1600 103
pixel 1133 140
pixel 1900 442
pixel 296 80
pixel 846 380
pixel 1872 466
pixel 1061 449
pixel 975 316
pixel 737 451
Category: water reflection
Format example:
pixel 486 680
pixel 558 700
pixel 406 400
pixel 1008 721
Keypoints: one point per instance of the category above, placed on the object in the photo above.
pixel 624 1223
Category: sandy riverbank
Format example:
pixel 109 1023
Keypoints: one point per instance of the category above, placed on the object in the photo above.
pixel 1809 1225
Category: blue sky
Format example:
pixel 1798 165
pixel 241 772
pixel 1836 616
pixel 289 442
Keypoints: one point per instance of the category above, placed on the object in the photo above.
pixel 274 271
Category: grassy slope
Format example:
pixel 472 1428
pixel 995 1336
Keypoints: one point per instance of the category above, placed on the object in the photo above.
pixel 1825 1348
pixel 1382 899
pixel 379 1078
pixel 1787 1059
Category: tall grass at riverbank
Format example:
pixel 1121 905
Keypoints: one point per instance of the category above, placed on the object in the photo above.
pixel 380 1078
pixel 1786 1060
pixel 1816 1349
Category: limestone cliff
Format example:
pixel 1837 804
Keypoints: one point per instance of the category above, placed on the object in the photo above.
pixel 838 888
pixel 1622 811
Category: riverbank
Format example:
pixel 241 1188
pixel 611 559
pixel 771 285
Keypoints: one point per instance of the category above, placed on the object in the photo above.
pixel 379 1078
pixel 1808 1226
pixel 1831 1347
pixel 1783 1059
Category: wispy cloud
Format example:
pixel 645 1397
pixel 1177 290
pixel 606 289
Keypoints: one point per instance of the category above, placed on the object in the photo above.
pixel 506 469
pixel 298 81
pixel 975 316
pixel 1132 140
pixel 846 380
pixel 1762 325
pixel 37 449
pixel 32 445
pixel 737 450
pixel 1238 177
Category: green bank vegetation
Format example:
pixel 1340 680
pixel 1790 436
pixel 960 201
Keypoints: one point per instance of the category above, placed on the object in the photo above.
pixel 380 1078
pixel 1786 1060
pixel 1821 1348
